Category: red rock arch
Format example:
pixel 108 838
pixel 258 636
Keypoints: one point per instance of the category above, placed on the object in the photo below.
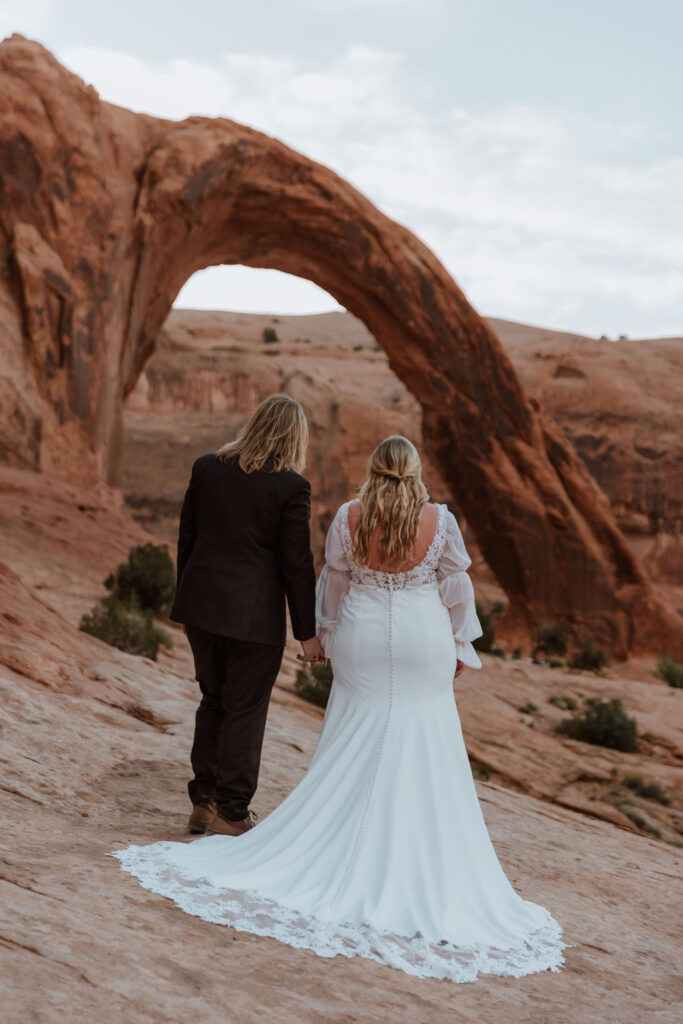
pixel 107 213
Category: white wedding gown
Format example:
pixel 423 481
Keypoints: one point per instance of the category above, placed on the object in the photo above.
pixel 381 850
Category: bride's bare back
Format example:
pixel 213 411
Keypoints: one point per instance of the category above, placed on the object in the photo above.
pixel 425 536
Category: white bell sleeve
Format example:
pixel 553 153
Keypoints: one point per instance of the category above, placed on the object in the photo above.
pixel 457 593
pixel 333 583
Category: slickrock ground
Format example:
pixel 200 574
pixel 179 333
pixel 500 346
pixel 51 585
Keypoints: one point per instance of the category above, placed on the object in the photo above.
pixel 94 756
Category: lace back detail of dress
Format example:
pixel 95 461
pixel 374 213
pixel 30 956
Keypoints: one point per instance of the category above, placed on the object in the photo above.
pixel 423 572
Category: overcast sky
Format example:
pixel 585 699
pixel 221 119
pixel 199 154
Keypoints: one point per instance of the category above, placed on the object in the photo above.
pixel 536 147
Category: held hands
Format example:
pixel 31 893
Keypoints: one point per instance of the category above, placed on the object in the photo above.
pixel 312 652
pixel 459 668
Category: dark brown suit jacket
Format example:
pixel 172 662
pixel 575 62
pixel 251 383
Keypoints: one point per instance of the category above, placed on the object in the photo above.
pixel 244 544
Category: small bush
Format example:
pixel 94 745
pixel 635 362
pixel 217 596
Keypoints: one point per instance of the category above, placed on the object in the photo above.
pixel 517 653
pixel 556 662
pixel 146 580
pixel 269 336
pixel 551 638
pixel 487 641
pixel 670 670
pixel 649 790
pixel 480 770
pixel 130 629
pixel 529 708
pixel 588 657
pixel 603 723
pixel 638 820
pixel 562 702
pixel 314 682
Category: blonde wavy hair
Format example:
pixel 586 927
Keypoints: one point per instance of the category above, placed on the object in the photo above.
pixel 392 498
pixel 276 433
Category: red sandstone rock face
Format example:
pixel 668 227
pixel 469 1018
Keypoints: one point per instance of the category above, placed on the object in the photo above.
pixel 106 213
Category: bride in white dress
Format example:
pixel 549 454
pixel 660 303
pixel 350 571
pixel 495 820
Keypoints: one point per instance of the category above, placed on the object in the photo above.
pixel 381 850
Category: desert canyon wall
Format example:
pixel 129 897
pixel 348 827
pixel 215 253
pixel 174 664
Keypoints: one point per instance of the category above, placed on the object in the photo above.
pixel 104 215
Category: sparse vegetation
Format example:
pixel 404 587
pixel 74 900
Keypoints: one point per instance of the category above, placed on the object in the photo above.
pixel 314 682
pixel 563 702
pixel 551 638
pixel 127 627
pixel 556 662
pixel 145 581
pixel 670 670
pixel 269 336
pixel 636 817
pixel 487 640
pixel 480 770
pixel 648 790
pixel 530 708
pixel 588 657
pixel 517 653
pixel 486 643
pixel 603 723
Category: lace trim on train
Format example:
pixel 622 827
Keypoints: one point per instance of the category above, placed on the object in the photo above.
pixel 250 912
pixel 423 572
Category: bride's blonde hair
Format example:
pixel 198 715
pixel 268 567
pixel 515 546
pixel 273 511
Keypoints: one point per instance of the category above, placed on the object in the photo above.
pixel 392 498
pixel 276 433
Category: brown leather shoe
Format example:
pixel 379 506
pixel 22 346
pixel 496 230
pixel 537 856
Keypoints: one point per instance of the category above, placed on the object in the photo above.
pixel 222 827
pixel 201 817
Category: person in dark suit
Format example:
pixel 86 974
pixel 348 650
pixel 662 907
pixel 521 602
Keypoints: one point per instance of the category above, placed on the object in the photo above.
pixel 244 546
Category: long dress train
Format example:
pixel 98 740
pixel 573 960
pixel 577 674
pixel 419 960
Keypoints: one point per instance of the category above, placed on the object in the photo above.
pixel 381 850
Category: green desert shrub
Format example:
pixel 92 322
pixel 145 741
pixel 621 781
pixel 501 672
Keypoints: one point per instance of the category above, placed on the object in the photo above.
pixel 563 702
pixel 670 670
pixel 314 682
pixel 649 790
pixel 603 723
pixel 517 653
pixel 145 581
pixel 269 336
pixel 480 770
pixel 530 708
pixel 638 820
pixel 551 638
pixel 588 657
pixel 486 643
pixel 556 662
pixel 129 628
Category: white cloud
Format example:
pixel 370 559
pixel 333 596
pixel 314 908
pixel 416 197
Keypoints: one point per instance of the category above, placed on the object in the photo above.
pixel 550 219
pixel 30 18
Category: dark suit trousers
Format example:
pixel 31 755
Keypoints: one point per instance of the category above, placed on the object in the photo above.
pixel 236 678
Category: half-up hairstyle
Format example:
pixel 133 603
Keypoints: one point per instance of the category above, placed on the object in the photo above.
pixel 392 498
pixel 276 433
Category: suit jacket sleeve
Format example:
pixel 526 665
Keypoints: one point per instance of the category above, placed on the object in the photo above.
pixel 187 527
pixel 296 560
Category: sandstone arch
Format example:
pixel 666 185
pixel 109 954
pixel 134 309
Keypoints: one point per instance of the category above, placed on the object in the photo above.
pixel 106 213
